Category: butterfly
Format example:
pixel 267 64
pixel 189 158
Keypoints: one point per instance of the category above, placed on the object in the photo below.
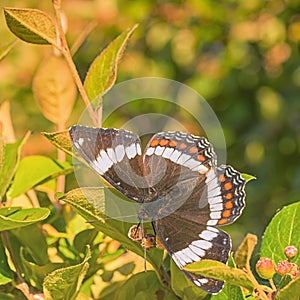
pixel 179 186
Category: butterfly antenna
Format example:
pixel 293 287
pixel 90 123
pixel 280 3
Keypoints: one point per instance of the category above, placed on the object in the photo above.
pixel 152 223
pixel 137 228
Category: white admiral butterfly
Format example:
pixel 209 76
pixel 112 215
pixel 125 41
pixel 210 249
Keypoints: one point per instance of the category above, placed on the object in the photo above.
pixel 180 187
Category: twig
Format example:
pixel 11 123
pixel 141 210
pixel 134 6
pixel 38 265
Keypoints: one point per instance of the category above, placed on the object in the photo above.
pixel 66 53
pixel 272 284
pixel 33 198
pixel 259 288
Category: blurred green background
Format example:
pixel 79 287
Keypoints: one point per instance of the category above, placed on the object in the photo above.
pixel 241 56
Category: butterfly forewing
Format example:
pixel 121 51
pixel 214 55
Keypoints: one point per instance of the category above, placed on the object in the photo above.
pixel 115 155
pixel 174 160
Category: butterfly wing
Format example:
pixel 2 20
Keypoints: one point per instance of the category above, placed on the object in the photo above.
pixel 187 241
pixel 173 162
pixel 207 196
pixel 113 154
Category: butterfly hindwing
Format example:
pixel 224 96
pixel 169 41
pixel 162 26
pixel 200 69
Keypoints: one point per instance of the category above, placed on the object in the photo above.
pixel 225 195
pixel 188 242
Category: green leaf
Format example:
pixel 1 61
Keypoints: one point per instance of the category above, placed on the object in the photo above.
pixel 41 168
pixel 230 292
pixel 109 292
pixel 217 270
pixel 126 269
pixel 90 204
pixel 6 274
pixel 6 211
pixel 14 295
pixel 282 231
pixel 84 238
pixel 34 273
pixel 143 286
pixel 103 71
pixel 183 287
pixel 32 239
pixel 65 283
pixel 61 140
pixel 54 89
pixel 22 217
pixel 31 25
pixel 10 163
pixel 248 177
pixel 244 252
pixel 290 291
pixel 4 50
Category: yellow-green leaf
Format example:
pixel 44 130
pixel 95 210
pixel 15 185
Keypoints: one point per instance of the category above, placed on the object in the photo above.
pixel 290 291
pixel 31 25
pixel 6 274
pixel 61 140
pixel 248 177
pixel 10 162
pixel 22 217
pixel 64 283
pixel 243 253
pixel 103 71
pixel 219 271
pixel 182 286
pixel 54 89
pixel 282 231
pixel 42 169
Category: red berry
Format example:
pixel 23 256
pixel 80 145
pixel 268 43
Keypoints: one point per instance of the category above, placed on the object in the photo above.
pixel 283 267
pixel 294 271
pixel 290 251
pixel 265 268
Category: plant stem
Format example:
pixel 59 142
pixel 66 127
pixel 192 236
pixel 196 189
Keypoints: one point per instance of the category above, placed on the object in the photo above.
pixel 33 198
pixel 68 57
pixel 259 288
pixel 272 284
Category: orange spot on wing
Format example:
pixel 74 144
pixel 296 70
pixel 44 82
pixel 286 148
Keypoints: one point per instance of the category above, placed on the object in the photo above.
pixel 228 186
pixel 193 150
pixel 222 178
pixel 226 213
pixel 201 157
pixel 228 196
pixel 222 221
pixel 182 145
pixel 173 143
pixel 154 143
pixel 228 205
pixel 163 142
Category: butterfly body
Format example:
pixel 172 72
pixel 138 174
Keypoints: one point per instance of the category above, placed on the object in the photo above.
pixel 179 186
